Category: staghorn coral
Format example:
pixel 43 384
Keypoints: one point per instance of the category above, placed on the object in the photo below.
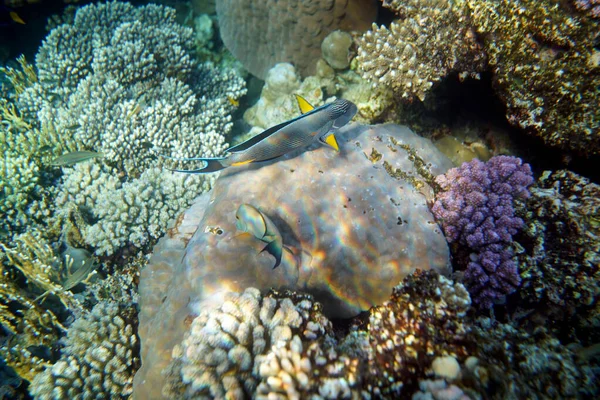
pixel 222 353
pixel 545 68
pixel 248 30
pixel 423 319
pixel 99 358
pixel 375 202
pixel 297 370
pixel 431 39
pixel 476 210
pixel 560 259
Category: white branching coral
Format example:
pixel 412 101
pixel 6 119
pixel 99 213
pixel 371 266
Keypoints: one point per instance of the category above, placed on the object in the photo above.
pixel 126 213
pixel 131 84
pixel 121 81
pixel 100 356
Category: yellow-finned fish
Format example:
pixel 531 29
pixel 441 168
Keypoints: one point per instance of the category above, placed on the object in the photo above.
pixel 250 219
pixel 315 124
pixel 75 157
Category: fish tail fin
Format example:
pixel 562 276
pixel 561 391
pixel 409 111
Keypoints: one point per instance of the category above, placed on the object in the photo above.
pixel 211 165
pixel 275 249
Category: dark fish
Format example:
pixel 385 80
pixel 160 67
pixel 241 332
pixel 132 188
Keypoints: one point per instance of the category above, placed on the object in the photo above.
pixel 315 124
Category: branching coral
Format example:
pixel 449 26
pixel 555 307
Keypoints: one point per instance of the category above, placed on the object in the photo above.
pixel 130 213
pixel 476 210
pixel 129 88
pixel 131 84
pixel 543 56
pixel 100 356
pixel 431 39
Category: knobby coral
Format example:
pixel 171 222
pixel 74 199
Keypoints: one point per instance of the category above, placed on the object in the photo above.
pixel 476 209
pixel 422 320
pixel 221 354
pixel 100 356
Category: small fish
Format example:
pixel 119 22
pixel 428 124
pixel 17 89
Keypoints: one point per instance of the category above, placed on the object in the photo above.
pixel 234 102
pixel 73 127
pixel 250 219
pixel 315 124
pixel 134 111
pixel 10 17
pixel 75 157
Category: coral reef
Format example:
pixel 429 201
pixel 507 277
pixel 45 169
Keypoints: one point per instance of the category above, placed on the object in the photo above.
pixel 560 261
pixel 225 347
pixel 431 39
pixel 343 218
pixel 543 63
pixel 129 89
pixel 530 365
pixel 543 57
pixel 248 30
pixel 423 319
pixel 476 210
pixel 100 356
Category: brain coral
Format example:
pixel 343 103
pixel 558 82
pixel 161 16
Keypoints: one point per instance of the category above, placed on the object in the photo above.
pixel 263 33
pixel 355 223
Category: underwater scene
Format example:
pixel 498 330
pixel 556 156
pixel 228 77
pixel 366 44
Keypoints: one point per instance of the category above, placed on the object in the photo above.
pixel 300 199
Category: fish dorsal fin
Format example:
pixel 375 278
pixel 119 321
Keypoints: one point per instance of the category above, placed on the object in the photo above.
pixel 304 105
pixel 258 138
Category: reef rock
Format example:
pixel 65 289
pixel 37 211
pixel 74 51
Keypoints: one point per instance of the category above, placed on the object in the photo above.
pixel 353 223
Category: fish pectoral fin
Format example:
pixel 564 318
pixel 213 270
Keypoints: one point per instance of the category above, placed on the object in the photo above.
pixel 275 249
pixel 303 104
pixel 331 141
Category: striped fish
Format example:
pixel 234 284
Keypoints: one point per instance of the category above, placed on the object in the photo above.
pixel 315 124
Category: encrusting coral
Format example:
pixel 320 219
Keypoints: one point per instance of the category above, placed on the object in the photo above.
pixel 560 258
pixel 476 208
pixel 100 356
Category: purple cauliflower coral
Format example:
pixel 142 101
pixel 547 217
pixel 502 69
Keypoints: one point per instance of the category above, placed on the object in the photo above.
pixel 475 209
